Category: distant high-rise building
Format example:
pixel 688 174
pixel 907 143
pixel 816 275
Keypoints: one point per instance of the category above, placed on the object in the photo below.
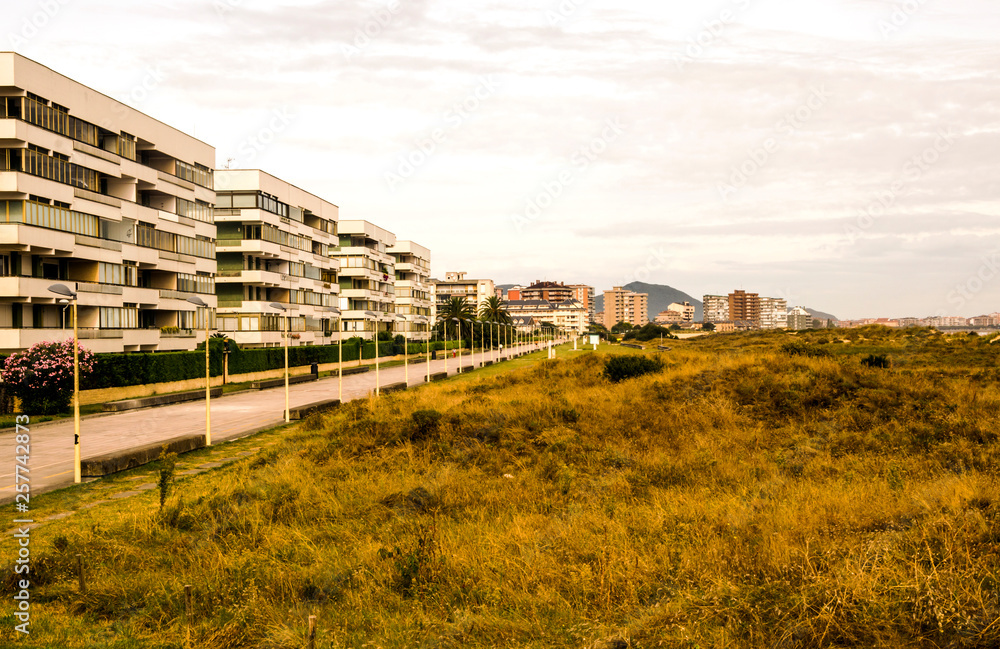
pixel 773 313
pixel 550 291
pixel 745 307
pixel 716 308
pixel 622 305
pixel 799 318
pixel 585 295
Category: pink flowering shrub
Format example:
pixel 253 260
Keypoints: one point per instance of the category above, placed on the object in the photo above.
pixel 42 376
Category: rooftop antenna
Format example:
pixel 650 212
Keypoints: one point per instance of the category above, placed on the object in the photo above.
pixel 229 162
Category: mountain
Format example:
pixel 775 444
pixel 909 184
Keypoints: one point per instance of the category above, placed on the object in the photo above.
pixel 660 297
pixel 819 314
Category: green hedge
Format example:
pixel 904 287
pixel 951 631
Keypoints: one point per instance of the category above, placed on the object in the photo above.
pixel 121 370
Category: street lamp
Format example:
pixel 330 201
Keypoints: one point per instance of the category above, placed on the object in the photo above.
pixel 424 320
pixel 375 336
pixel 459 343
pixel 492 352
pixel 197 301
pixel 61 289
pixel 284 330
pixel 406 360
pixel 340 353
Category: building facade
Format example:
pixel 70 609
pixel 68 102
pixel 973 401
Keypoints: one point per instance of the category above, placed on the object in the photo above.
pixel 275 243
pixel 475 291
pixel 568 315
pixel 622 305
pixel 799 318
pixel 550 291
pixel 413 289
pixel 367 279
pixel 773 313
pixel 585 295
pixel 107 201
pixel 745 307
pixel 716 308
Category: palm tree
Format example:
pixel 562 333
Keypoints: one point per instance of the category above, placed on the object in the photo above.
pixel 456 307
pixel 494 310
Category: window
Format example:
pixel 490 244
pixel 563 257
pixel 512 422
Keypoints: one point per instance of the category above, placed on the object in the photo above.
pixel 196 173
pixel 197 210
pixel 195 283
pixel 126 317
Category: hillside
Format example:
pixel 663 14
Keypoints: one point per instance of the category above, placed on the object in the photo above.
pixel 759 490
pixel 819 314
pixel 660 297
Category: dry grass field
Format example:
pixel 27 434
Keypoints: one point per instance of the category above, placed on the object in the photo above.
pixel 761 490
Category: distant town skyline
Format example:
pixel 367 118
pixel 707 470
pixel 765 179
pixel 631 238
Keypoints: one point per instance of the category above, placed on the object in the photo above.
pixel 838 154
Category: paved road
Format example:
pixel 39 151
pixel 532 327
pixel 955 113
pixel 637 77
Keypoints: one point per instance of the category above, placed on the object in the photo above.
pixel 235 415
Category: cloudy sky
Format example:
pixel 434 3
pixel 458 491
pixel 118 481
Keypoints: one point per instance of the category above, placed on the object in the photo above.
pixel 840 153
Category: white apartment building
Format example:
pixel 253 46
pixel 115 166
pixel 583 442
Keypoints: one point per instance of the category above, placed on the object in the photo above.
pixel 413 289
pixel 475 291
pixel 773 313
pixel 367 279
pixel 716 308
pixel 569 316
pixel 274 246
pixel 799 318
pixel 685 310
pixel 110 202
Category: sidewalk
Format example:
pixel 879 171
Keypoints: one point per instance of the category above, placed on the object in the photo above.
pixel 233 416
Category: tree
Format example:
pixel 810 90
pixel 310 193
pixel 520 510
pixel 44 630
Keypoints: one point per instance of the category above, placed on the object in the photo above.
pixel 456 307
pixel 495 310
pixel 708 326
pixel 621 327
pixel 42 376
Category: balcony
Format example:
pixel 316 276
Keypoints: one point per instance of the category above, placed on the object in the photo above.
pixel 174 332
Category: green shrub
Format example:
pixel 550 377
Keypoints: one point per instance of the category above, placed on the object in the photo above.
pixel 425 423
pixel 619 368
pixel 877 361
pixel 648 332
pixel 799 348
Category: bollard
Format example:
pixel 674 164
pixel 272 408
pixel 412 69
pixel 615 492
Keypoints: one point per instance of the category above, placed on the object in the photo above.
pixel 188 611
pixel 80 575
pixel 312 632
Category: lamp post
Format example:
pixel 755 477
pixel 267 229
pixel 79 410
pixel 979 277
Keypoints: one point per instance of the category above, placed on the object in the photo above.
pixel 340 354
pixel 459 343
pixel 430 338
pixel 492 351
pixel 378 384
pixel 284 331
pixel 406 360
pixel 61 289
pixel 197 301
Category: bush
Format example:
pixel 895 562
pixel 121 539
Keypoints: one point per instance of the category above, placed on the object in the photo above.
pixel 799 348
pixel 42 376
pixel 619 368
pixel 649 331
pixel 425 424
pixel 880 361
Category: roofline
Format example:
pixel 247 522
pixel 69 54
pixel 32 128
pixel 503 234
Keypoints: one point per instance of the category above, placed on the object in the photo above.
pixel 118 101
